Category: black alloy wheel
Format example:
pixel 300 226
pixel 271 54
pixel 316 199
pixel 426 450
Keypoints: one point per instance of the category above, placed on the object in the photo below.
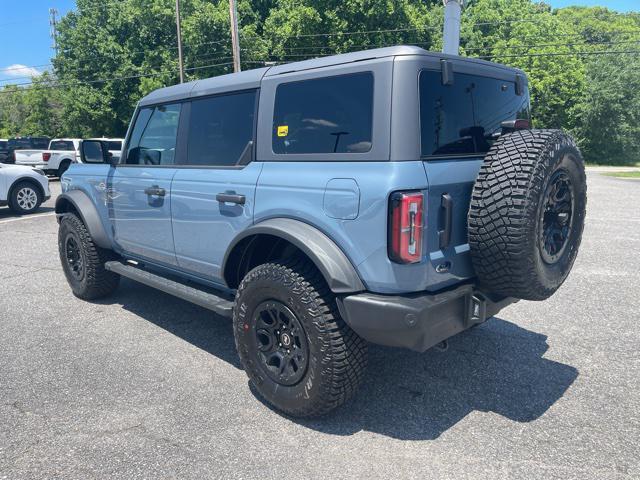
pixel 281 343
pixel 556 217
pixel 74 257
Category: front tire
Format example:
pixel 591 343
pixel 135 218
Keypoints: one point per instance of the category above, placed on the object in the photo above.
pixel 300 355
pixel 83 261
pixel 25 198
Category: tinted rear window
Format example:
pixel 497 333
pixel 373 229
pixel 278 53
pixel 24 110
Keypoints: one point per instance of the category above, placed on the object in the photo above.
pixel 3 144
pixel 61 145
pixel 325 115
pixel 42 143
pixel 115 145
pixel 465 117
pixel 20 143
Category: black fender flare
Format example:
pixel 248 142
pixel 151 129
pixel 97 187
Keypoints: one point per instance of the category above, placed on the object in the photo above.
pixel 88 213
pixel 335 267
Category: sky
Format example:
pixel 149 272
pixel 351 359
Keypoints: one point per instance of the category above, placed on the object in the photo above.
pixel 25 44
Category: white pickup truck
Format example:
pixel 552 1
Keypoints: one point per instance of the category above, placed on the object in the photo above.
pixel 61 153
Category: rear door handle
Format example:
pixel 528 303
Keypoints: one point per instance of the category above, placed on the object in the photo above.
pixel 446 206
pixel 155 191
pixel 231 198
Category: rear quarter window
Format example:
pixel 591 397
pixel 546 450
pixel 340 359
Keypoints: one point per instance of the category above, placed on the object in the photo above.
pixel 466 117
pixel 324 115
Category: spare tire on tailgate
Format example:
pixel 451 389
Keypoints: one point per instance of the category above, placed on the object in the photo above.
pixel 527 213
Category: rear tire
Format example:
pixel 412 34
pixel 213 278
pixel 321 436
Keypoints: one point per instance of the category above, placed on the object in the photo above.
pixel 25 198
pixel 527 213
pixel 83 261
pixel 300 355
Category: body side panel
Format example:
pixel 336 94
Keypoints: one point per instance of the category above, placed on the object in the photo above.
pixel 297 189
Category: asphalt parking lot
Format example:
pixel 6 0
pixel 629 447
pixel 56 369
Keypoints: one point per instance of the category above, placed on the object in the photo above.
pixel 142 385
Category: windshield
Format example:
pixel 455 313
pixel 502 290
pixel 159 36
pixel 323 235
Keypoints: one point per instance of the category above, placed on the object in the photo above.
pixel 61 145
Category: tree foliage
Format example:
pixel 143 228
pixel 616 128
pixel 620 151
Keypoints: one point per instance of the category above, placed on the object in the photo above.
pixel 112 53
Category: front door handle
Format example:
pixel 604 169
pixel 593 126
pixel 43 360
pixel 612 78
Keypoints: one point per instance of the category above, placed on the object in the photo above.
pixel 155 191
pixel 446 207
pixel 231 198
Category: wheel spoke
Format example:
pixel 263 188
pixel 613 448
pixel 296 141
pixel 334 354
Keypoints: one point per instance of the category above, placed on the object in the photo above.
pixel 556 217
pixel 281 342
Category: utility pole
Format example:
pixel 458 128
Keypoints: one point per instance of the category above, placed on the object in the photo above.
pixel 235 41
pixel 53 29
pixel 451 33
pixel 180 64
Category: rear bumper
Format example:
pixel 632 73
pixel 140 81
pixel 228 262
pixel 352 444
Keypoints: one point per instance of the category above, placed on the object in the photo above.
pixel 418 321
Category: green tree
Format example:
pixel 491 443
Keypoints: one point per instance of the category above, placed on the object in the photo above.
pixel 31 111
pixel 608 117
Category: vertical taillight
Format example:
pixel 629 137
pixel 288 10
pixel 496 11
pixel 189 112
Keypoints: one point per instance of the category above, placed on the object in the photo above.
pixel 406 213
pixel 46 156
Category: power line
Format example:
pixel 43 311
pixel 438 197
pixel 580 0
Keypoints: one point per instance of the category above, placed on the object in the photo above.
pixel 105 80
pixel 204 57
pixel 559 54
pixel 155 74
pixel 320 48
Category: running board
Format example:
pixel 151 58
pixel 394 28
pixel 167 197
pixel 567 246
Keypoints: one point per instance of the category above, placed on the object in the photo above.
pixel 211 301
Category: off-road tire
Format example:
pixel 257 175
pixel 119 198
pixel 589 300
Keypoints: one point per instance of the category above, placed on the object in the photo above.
pixel 15 203
pixel 507 203
pixel 94 281
pixel 337 355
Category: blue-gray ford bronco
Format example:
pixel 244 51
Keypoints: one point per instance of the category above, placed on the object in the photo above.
pixel 392 196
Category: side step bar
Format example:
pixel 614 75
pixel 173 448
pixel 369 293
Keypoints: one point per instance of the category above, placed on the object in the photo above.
pixel 217 304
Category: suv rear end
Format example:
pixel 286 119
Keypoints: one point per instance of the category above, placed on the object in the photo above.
pixel 393 191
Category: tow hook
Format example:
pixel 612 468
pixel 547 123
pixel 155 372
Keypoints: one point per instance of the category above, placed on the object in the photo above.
pixel 443 346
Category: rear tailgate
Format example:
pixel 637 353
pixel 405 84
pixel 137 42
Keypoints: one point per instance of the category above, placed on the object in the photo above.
pixel 29 157
pixel 449 196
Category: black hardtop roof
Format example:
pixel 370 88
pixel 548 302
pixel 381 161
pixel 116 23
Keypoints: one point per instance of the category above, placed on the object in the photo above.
pixel 251 78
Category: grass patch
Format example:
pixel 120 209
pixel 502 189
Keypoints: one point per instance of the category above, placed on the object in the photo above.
pixel 623 174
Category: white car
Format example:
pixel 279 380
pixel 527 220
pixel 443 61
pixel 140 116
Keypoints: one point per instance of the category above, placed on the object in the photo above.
pixel 23 188
pixel 61 153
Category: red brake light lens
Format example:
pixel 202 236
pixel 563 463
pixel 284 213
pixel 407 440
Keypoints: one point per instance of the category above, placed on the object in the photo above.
pixel 406 213
pixel 46 156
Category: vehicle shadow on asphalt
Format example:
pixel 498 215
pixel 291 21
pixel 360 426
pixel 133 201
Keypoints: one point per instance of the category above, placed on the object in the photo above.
pixel 196 325
pixel 497 367
pixel 6 212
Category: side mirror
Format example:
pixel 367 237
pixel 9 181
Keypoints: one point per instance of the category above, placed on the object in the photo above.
pixel 96 151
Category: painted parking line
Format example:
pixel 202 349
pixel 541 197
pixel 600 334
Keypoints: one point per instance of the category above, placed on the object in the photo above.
pixel 28 217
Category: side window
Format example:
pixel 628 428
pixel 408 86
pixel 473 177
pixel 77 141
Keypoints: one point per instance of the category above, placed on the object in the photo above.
pixel 221 130
pixel 153 140
pixel 464 118
pixel 324 115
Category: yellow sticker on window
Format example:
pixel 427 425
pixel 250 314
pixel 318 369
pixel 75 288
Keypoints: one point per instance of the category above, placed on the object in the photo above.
pixel 283 130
